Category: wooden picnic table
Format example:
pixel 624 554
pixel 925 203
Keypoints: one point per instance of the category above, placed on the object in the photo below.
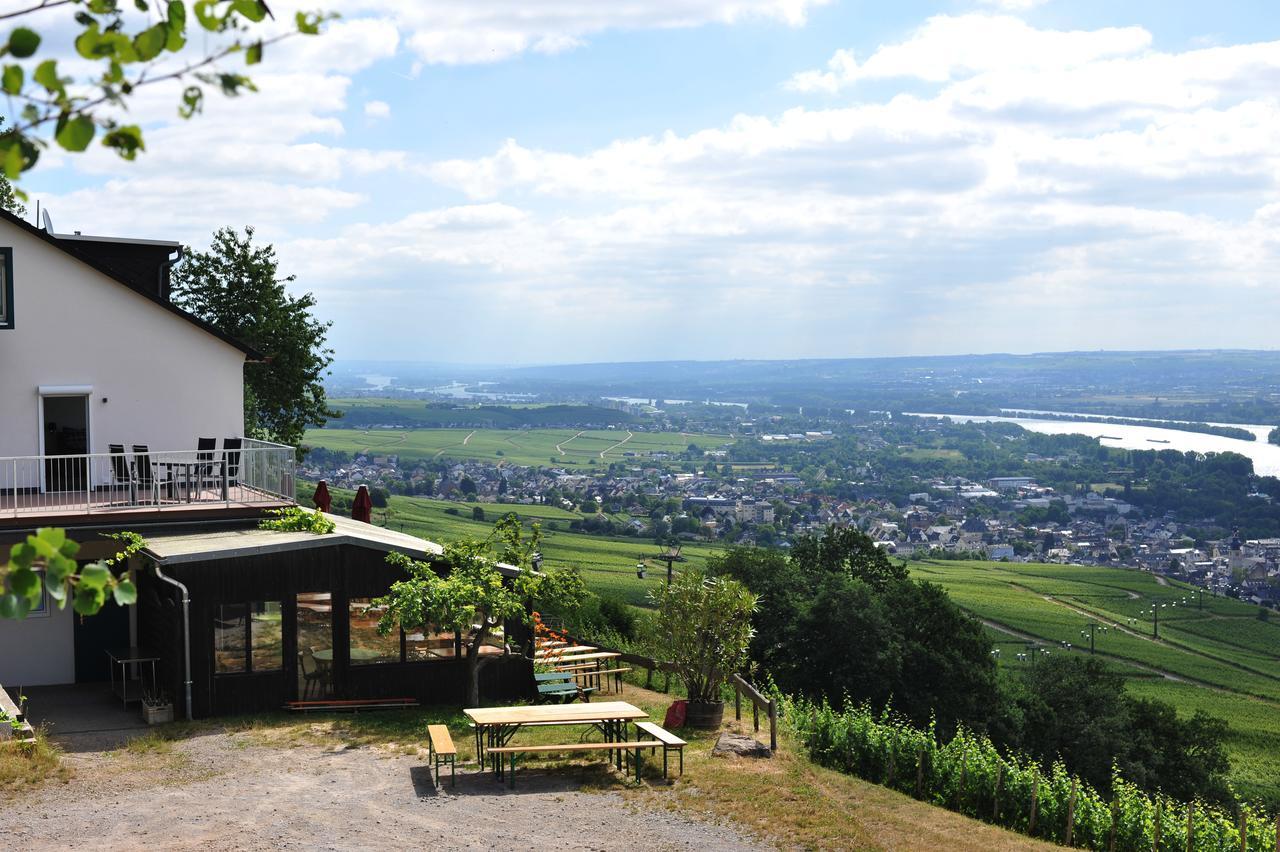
pixel 495 726
pixel 569 649
pixel 584 658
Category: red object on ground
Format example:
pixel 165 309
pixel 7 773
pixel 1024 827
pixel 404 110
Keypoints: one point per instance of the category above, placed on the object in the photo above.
pixel 362 506
pixel 322 499
pixel 675 715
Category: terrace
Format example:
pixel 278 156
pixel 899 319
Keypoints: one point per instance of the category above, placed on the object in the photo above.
pixel 244 477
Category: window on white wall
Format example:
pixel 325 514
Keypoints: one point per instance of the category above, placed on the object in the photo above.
pixel 6 288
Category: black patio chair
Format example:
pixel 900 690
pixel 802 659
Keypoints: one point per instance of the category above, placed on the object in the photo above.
pixel 148 474
pixel 231 461
pixel 121 474
pixel 203 473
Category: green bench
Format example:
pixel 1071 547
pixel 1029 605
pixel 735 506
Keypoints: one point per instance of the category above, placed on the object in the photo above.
pixel 561 685
pixel 670 742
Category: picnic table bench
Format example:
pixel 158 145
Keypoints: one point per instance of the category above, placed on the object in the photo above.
pixel 561 685
pixel 624 747
pixel 670 742
pixel 495 726
pixel 351 704
pixel 440 745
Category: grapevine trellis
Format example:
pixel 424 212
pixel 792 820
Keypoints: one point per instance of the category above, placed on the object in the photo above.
pixel 968 774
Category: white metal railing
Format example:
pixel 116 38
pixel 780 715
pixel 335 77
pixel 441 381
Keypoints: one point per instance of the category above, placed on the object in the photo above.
pixel 255 472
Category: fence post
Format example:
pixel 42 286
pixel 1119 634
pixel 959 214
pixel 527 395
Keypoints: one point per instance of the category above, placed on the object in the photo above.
pixel 1156 844
pixel 1071 812
pixel 1035 800
pixel 889 773
pixel 1115 817
pixel 1191 825
pixel 964 777
pixel 773 726
pixel 755 715
pixel 1244 831
pixel 737 701
pixel 920 775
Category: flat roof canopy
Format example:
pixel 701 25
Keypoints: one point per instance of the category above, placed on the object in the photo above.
pixel 201 545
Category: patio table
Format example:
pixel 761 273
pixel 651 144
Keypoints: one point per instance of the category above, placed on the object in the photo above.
pixel 495 726
pixel 325 655
pixel 124 658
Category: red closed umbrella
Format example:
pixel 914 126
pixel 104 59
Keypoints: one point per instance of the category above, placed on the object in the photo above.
pixel 362 507
pixel 322 499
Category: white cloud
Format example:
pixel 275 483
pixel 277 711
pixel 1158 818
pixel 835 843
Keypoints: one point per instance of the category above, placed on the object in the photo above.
pixel 377 109
pixel 452 33
pixel 1083 175
pixel 1013 5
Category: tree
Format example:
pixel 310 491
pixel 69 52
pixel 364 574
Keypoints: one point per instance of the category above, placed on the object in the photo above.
pixel 379 497
pixel 47 559
pixel 703 626
pixel 116 64
pixel 235 286
pixel 472 597
pixel 477 513
pixel 8 197
pixel 467 486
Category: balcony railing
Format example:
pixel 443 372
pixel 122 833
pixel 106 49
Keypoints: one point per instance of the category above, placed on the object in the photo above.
pixel 258 473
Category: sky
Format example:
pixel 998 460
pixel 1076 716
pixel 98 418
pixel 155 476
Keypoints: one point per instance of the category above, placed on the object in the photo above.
pixel 579 181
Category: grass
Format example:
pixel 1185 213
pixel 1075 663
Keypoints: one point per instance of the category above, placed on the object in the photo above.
pixel 25 766
pixel 1224 645
pixel 530 447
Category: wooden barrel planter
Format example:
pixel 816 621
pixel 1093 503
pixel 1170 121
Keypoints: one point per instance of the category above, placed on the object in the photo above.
pixel 704 715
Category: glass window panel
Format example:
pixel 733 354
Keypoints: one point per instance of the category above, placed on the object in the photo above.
pixel 430 643
pixel 368 646
pixel 267 635
pixel 315 645
pixel 228 639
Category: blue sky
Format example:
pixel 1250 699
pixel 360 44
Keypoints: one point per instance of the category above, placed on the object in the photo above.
pixel 583 181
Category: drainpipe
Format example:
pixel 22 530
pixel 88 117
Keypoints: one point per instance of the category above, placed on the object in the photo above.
pixel 186 631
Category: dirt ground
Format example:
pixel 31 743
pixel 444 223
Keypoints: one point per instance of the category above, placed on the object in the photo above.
pixel 221 791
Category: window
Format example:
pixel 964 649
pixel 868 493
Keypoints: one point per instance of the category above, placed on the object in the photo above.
pixel 247 637
pixel 369 647
pixel 367 644
pixel 6 288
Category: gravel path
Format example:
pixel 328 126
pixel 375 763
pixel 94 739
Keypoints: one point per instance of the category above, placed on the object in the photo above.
pixel 221 792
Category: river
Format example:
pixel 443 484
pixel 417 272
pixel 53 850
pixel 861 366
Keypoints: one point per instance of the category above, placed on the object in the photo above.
pixel 1265 456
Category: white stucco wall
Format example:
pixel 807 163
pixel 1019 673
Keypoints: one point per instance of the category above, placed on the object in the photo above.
pixel 38 651
pixel 167 381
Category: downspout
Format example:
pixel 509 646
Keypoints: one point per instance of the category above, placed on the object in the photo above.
pixel 186 631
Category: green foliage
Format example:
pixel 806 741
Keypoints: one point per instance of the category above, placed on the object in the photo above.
pixel 969 774
pixel 116 64
pixel 838 620
pixel 463 590
pixel 703 627
pixel 298 519
pixel 235 286
pixel 47 560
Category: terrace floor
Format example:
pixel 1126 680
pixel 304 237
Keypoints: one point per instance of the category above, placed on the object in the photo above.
pixel 118 506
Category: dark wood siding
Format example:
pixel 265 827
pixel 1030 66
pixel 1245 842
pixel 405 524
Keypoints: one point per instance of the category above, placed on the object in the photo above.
pixel 345 572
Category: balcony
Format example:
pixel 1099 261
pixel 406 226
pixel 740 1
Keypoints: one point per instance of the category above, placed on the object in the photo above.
pixel 130 486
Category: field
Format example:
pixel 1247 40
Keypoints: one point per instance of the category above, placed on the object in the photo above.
pixel 608 564
pixel 530 447
pixel 1213 654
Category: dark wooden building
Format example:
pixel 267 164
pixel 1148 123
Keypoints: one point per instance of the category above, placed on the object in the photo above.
pixel 278 616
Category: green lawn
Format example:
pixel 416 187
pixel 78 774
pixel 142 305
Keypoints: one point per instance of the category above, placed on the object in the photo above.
pixel 530 447
pixel 1223 644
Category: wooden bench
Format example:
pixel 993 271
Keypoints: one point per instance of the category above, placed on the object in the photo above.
pixel 440 745
pixel 636 746
pixel 352 704
pixel 670 742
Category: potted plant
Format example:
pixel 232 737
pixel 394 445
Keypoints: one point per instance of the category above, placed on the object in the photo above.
pixel 703 628
pixel 156 707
